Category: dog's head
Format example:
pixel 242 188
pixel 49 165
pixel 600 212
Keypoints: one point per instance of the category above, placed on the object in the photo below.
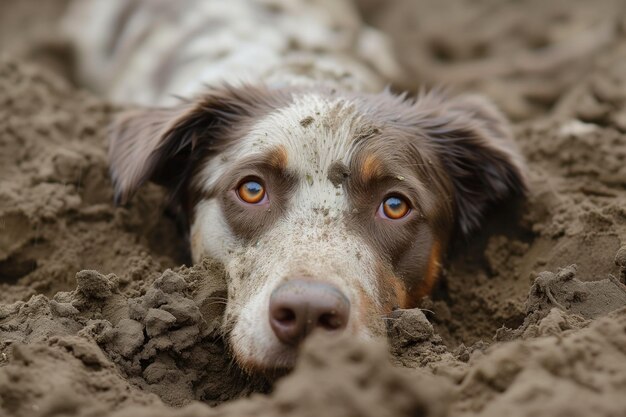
pixel 328 210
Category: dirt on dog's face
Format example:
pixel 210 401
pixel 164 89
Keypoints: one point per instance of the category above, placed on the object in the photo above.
pixel 327 210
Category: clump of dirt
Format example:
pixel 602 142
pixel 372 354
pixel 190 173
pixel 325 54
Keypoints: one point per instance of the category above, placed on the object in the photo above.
pixel 590 299
pixel 164 341
pixel 99 318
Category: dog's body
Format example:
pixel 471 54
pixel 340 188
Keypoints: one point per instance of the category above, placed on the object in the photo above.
pixel 149 51
pixel 329 203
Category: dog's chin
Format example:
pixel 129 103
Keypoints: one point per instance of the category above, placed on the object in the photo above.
pixel 271 365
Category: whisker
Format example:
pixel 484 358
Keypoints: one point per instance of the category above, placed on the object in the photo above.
pixel 217 302
pixel 415 165
pixel 217 298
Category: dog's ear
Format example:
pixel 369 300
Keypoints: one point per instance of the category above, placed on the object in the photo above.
pixel 145 144
pixel 476 148
pixel 159 144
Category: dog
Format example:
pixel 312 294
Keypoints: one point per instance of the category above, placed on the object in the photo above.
pixel 330 200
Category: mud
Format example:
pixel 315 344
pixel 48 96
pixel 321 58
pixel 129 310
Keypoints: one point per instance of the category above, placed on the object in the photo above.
pixel 100 317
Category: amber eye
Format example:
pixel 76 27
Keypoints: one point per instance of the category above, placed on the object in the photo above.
pixel 394 208
pixel 251 192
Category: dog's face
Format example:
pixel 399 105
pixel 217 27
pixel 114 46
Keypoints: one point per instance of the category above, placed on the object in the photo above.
pixel 328 210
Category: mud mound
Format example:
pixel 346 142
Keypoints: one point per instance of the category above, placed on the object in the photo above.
pixel 573 373
pixel 55 196
pixel 575 213
pixel 524 54
pixel 99 318
pixel 163 341
pixel 95 350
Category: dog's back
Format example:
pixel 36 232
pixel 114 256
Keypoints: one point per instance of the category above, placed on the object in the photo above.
pixel 145 51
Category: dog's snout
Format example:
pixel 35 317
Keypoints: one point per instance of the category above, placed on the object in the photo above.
pixel 298 307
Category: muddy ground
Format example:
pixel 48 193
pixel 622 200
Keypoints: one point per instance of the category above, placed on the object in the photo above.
pixel 99 317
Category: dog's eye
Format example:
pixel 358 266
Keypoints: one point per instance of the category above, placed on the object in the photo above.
pixel 251 191
pixel 394 208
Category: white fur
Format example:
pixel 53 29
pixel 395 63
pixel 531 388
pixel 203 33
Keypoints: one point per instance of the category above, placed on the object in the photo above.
pixel 216 41
pixel 310 240
pixel 213 239
pixel 310 149
pixel 303 244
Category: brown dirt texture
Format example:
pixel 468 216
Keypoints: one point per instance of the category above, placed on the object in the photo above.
pixel 100 317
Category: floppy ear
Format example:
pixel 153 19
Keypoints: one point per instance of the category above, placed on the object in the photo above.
pixel 475 145
pixel 147 143
pixel 159 144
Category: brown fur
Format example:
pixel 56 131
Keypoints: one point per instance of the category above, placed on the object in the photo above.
pixel 370 168
pixel 170 145
pixel 278 158
pixel 431 275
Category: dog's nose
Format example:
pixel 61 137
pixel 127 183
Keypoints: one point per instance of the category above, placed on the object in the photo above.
pixel 298 307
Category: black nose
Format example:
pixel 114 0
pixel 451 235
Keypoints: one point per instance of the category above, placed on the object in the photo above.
pixel 298 307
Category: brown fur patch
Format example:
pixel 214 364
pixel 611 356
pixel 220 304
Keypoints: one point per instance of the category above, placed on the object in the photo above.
pixel 371 168
pixel 277 158
pixel 392 291
pixel 401 296
pixel 430 277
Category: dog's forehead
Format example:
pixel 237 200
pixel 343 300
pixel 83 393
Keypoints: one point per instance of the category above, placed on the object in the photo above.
pixel 315 132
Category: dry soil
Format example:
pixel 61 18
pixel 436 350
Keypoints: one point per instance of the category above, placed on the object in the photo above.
pixel 100 317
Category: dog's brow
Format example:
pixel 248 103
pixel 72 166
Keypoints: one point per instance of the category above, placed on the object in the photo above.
pixel 371 168
pixel 277 158
pixel 374 171
pixel 271 161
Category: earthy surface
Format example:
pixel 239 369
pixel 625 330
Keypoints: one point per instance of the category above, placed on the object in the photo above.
pixel 99 318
